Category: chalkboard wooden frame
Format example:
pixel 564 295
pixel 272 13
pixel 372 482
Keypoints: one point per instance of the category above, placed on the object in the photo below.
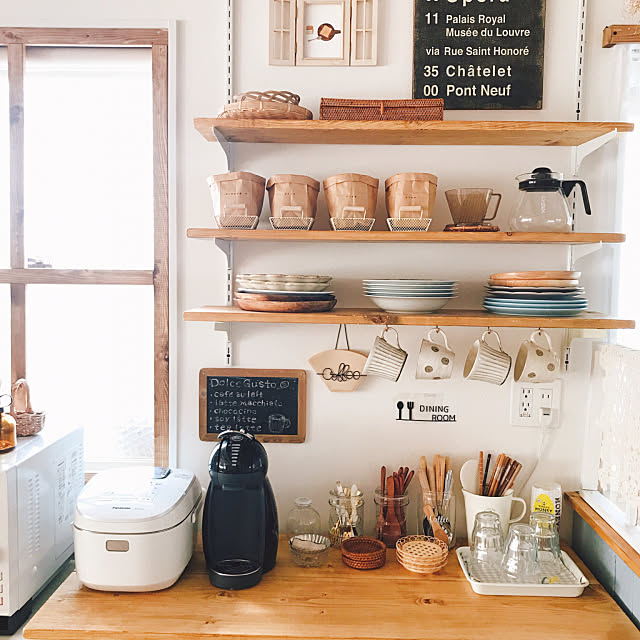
pixel 233 372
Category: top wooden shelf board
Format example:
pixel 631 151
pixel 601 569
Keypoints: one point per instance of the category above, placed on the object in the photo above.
pixel 400 132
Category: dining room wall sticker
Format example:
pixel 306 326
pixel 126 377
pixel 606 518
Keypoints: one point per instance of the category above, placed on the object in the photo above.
pixel 323 32
pixel 480 55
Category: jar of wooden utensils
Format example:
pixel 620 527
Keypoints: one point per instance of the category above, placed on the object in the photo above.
pixel 28 421
pixel 346 513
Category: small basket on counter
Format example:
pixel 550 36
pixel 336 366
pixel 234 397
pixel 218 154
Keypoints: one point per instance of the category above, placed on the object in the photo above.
pixel 352 198
pixel 364 553
pixel 357 109
pixel 237 199
pixel 293 200
pixel 422 554
pixel 28 421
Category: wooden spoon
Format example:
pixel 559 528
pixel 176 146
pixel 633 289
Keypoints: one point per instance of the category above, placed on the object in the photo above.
pixel 438 531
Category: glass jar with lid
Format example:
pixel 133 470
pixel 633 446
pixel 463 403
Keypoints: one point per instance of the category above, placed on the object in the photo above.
pixel 7 426
pixel 303 518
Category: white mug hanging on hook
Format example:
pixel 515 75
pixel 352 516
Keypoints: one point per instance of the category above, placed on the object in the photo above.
pixel 435 360
pixel 535 362
pixel 340 369
pixel 486 363
pixel 385 360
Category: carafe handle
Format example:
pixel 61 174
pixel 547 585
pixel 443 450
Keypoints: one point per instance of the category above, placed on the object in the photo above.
pixel 569 185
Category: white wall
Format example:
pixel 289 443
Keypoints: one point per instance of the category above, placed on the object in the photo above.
pixel 349 435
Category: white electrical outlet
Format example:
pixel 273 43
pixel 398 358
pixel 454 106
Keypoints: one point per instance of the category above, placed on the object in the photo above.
pixel 535 404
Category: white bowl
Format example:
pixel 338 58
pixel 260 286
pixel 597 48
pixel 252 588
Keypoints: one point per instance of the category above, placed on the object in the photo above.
pixel 409 305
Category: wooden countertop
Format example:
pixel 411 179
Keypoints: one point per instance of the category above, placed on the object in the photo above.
pixel 332 602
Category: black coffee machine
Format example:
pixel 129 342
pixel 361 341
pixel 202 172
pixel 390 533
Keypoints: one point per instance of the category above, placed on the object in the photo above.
pixel 240 519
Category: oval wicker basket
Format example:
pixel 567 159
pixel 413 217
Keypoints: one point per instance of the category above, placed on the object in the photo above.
pixel 422 554
pixel 28 421
pixel 272 105
pixel 362 552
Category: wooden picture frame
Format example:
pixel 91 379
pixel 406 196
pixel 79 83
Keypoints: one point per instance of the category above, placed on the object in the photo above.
pixel 364 33
pixel 282 32
pixel 232 400
pixel 312 16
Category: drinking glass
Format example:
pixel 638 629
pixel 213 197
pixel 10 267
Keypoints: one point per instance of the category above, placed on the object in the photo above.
pixel 487 543
pixel 520 560
pixel 546 537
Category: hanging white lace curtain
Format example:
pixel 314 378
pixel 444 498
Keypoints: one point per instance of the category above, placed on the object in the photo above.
pixel 617 419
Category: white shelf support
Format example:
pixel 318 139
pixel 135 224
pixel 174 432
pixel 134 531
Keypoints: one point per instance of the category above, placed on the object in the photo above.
pixel 226 246
pixel 586 149
pixel 581 251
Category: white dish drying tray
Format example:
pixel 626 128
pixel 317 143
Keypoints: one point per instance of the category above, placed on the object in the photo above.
pixel 570 584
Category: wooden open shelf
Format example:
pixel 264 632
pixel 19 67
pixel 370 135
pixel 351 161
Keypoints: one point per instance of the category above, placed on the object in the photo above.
pixel 500 237
pixel 444 318
pixel 400 132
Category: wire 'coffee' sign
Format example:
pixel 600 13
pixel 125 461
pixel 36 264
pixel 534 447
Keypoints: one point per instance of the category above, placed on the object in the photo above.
pixel 479 54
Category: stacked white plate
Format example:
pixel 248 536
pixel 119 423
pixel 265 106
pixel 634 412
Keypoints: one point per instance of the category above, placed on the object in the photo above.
pixel 280 283
pixel 410 296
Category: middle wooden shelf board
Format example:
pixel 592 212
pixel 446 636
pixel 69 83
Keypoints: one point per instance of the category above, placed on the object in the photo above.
pixel 444 318
pixel 463 237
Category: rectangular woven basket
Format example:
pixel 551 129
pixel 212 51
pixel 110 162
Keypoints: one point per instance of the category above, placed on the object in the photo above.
pixel 355 109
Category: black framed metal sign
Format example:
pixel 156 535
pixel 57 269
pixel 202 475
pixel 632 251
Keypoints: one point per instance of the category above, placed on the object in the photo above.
pixel 479 54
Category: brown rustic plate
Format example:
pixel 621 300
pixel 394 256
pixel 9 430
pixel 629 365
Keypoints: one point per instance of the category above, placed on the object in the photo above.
pixel 275 297
pixel 537 275
pixel 536 283
pixel 314 306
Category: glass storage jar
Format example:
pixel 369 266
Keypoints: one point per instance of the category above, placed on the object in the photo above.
pixel 303 518
pixel 7 426
pixel 391 519
pixel 346 516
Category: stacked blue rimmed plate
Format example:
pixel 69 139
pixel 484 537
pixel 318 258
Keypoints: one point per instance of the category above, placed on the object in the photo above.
pixel 410 296
pixel 536 293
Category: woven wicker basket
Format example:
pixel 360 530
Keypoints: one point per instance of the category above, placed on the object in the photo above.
pixel 248 108
pixel 364 553
pixel 28 421
pixel 353 109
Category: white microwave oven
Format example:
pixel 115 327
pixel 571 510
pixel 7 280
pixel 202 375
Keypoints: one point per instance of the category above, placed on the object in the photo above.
pixel 39 484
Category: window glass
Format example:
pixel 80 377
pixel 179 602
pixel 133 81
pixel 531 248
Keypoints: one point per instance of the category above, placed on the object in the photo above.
pixel 4 161
pixel 90 362
pixel 5 340
pixel 88 158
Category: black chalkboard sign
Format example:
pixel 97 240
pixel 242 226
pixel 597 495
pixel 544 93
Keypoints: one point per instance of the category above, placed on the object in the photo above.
pixel 269 403
pixel 479 54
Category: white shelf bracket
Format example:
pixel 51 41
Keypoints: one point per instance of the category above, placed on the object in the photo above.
pixel 225 145
pixel 586 149
pixel 225 327
pixel 582 250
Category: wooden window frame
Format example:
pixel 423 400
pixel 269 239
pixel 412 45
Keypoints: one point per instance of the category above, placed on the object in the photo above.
pixel 18 277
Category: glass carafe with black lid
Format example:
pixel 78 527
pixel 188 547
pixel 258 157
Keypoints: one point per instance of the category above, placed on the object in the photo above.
pixel 543 204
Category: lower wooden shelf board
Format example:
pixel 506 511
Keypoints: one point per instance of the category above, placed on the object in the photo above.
pixel 451 318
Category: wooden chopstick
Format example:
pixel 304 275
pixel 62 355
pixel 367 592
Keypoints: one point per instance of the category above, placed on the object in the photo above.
pixel 506 473
pixel 496 474
pixel 480 488
pixel 514 475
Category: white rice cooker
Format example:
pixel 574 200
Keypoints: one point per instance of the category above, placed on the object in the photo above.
pixel 134 528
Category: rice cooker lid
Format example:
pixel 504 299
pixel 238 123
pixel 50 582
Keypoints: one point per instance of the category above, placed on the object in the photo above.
pixel 137 500
pixel 351 177
pixel 293 179
pixel 411 177
pixel 236 175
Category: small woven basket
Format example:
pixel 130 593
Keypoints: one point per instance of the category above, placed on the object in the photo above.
pixel 275 105
pixel 362 552
pixel 28 421
pixel 422 554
